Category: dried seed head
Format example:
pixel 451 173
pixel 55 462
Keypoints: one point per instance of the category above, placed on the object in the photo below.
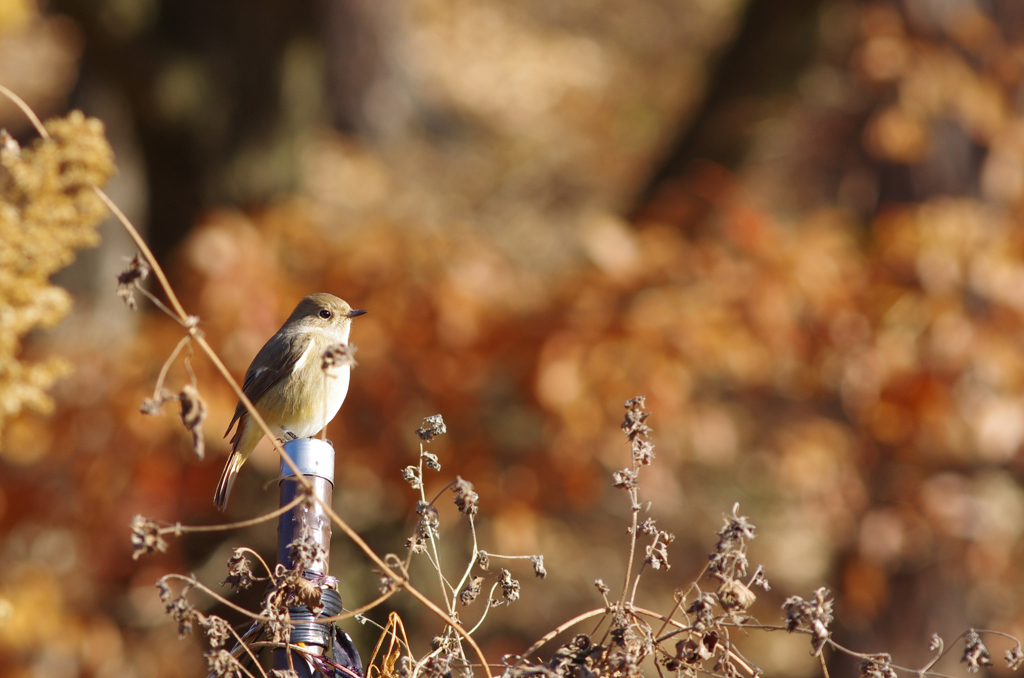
pixel 657 552
pixel 815 616
pixel 153 406
pixel 411 474
pixel 437 667
pixel 222 664
pixel 730 557
pixel 878 667
pixel 693 652
pixel 416 544
pixel 465 498
pixel 643 451
pixel 538 566
pixel 129 280
pixel 975 654
pixel 734 596
pixel 338 357
pixel 164 590
pixel 193 414
pixel 625 479
pixel 146 537
pixel 430 461
pixel 1015 658
pixel 633 425
pixel 180 609
pixel 240 575
pixel 703 609
pixel 277 621
pixel 430 524
pixel 509 586
pixel 218 631
pixel 471 591
pixel 432 427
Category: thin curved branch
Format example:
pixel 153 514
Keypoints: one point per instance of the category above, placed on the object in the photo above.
pixel 559 629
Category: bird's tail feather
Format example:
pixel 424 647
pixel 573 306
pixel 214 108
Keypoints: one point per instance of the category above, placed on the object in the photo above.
pixel 227 479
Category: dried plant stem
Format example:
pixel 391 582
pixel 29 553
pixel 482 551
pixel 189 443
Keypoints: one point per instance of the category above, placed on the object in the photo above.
pixel 445 584
pixel 161 305
pixel 550 635
pixel 349 614
pixel 133 233
pixel 439 492
pixel 167 366
pixel 178 528
pixel 632 549
pixel 216 596
pixel 29 113
pixel 636 582
pixel 469 568
pixel 680 599
pixel 487 608
pixel 248 650
pixel 434 558
pixel 259 558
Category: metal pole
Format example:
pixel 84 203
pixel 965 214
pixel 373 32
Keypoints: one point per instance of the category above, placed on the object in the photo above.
pixel 315 460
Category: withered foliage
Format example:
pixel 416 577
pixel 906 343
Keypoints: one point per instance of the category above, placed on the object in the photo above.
pixel 47 211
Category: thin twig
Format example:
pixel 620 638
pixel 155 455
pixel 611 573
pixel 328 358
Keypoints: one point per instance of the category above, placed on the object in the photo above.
pixel 270 573
pixel 632 542
pixel 679 599
pixel 177 528
pixel 163 307
pixel 29 113
pixel 167 366
pixel 469 568
pixel 216 596
pixel 248 651
pixel 559 629
pixel 487 608
pixel 348 614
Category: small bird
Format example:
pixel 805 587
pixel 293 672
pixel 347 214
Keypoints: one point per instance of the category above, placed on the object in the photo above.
pixel 287 384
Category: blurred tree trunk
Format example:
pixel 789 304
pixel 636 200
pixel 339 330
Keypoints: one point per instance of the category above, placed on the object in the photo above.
pixel 774 44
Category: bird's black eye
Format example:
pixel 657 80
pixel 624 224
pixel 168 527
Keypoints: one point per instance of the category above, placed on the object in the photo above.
pixel 325 314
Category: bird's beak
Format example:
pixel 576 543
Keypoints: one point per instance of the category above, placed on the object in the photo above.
pixel 354 312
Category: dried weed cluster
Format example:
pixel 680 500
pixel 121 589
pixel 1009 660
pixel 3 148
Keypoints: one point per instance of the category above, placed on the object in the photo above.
pixel 48 209
pixel 698 635
pixel 50 193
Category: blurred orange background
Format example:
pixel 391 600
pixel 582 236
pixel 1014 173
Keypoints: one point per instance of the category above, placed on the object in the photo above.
pixel 795 226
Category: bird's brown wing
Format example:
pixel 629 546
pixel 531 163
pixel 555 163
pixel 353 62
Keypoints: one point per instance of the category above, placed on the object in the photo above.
pixel 258 380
